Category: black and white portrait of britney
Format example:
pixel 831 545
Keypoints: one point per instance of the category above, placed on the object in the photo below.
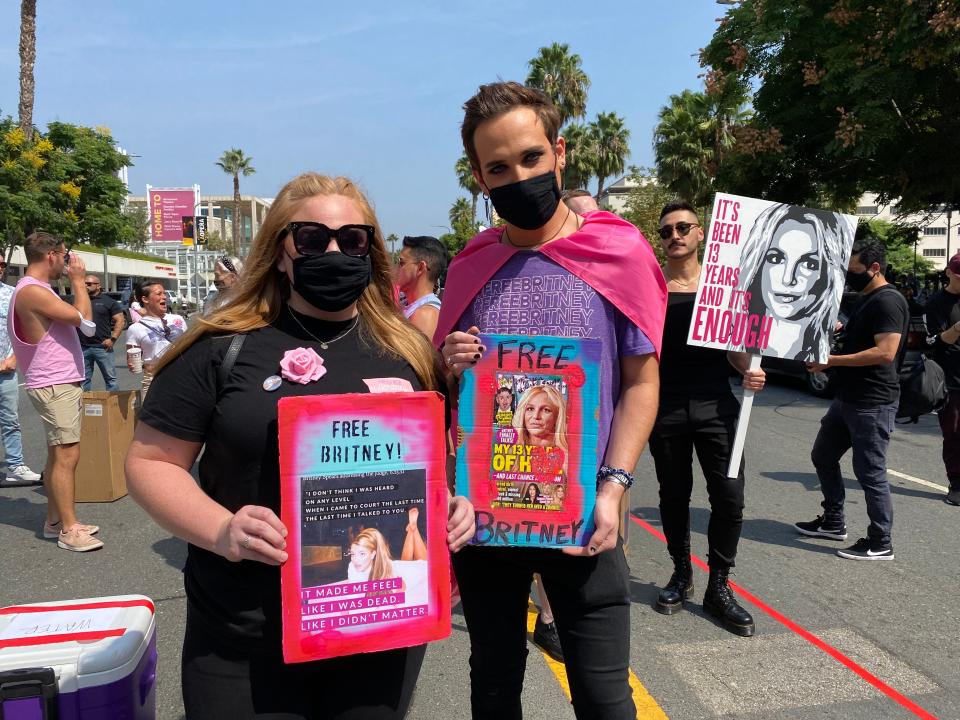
pixel 781 269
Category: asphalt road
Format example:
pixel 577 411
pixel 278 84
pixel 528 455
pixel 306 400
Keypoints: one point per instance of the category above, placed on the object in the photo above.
pixel 898 622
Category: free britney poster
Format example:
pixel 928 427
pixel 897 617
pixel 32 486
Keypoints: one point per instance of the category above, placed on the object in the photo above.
pixel 363 494
pixel 528 457
pixel 772 278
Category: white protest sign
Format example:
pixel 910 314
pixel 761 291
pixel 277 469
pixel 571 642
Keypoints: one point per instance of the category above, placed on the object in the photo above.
pixel 771 284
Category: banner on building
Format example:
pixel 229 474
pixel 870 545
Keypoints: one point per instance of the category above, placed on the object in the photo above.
pixel 527 456
pixel 772 278
pixel 167 208
pixel 186 223
pixel 363 495
pixel 200 229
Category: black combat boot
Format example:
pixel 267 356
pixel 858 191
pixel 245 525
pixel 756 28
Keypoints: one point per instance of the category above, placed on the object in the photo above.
pixel 953 496
pixel 719 602
pixel 679 589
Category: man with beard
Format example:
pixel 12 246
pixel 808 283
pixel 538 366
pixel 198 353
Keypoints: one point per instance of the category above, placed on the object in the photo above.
pixel 42 330
pixel 698 411
pixel 862 415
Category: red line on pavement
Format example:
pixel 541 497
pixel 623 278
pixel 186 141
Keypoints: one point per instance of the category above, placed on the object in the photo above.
pixel 897 697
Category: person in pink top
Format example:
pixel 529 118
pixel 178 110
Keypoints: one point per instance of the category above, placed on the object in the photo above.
pixel 48 352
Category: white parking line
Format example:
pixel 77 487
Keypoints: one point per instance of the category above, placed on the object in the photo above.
pixel 918 481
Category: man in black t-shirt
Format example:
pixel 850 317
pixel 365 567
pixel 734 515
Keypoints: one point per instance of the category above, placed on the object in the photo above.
pixel 943 328
pixel 98 349
pixel 862 414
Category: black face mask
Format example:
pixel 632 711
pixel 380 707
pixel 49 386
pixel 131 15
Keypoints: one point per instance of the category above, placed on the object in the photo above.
pixel 858 280
pixel 332 281
pixel 528 204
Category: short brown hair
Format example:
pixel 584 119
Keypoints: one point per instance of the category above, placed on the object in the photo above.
pixel 38 244
pixel 496 99
pixel 579 192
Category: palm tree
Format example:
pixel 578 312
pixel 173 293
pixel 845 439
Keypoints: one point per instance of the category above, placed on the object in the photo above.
pixel 611 139
pixel 461 216
pixel 557 73
pixel 581 156
pixel 234 162
pixel 468 182
pixel 28 55
pixel 681 147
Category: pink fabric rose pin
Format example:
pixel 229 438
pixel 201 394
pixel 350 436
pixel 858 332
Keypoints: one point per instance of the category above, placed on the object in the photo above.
pixel 302 365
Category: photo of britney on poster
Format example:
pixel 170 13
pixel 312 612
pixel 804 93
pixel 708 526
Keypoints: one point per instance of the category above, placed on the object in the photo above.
pixel 772 278
pixel 530 448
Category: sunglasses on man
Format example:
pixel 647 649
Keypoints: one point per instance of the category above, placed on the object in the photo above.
pixel 313 238
pixel 683 229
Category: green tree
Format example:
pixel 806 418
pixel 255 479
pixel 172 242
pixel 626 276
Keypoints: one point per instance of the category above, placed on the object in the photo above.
pixel 467 181
pixel 217 243
pixel 682 147
pixel 234 162
pixel 557 73
pixel 64 181
pixel 900 242
pixel 28 56
pixel 463 225
pixel 643 206
pixel 139 221
pixel 581 156
pixel 851 95
pixel 611 145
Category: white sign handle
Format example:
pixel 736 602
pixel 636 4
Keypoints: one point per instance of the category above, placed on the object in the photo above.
pixel 744 420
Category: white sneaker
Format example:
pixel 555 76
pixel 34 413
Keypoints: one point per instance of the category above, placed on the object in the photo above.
pixel 22 475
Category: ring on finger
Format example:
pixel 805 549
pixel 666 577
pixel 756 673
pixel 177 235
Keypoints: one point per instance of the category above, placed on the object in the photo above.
pixel 450 361
pixel 246 542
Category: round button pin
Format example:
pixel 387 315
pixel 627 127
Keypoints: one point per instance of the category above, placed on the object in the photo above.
pixel 272 383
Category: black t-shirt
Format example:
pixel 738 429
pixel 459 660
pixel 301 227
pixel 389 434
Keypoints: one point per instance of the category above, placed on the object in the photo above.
pixel 882 311
pixel 104 308
pixel 688 370
pixel 240 602
pixel 943 311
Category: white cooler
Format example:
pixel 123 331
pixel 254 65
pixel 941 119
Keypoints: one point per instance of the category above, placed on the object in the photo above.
pixel 93 659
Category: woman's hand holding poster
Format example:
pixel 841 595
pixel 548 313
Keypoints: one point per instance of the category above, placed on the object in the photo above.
pixel 364 497
pixel 528 456
pixel 771 284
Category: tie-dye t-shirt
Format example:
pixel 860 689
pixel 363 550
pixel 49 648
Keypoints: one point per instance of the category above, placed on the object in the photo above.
pixel 533 295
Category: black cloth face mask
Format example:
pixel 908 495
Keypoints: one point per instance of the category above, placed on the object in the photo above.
pixel 332 281
pixel 858 280
pixel 527 204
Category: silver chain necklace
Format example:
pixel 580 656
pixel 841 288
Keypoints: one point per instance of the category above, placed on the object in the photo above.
pixel 324 344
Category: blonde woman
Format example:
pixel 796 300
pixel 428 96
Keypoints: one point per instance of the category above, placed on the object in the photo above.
pixel 318 278
pixel 541 418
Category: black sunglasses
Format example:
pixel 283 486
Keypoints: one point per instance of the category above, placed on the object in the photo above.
pixel 683 228
pixel 313 238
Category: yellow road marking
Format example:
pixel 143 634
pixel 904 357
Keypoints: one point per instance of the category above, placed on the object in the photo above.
pixel 647 707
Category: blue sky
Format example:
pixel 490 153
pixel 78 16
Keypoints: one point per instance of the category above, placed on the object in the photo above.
pixel 372 90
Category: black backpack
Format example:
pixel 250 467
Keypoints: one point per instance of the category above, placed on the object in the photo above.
pixel 923 388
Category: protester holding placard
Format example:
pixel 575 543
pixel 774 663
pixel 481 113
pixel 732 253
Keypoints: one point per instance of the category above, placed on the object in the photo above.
pixel 698 411
pixel 550 272
pixel 315 309
pixel 862 415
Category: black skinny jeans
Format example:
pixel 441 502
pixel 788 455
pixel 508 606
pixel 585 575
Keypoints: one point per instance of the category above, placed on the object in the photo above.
pixel 220 683
pixel 590 598
pixel 707 424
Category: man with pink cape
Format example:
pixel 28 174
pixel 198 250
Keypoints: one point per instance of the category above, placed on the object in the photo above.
pixel 551 272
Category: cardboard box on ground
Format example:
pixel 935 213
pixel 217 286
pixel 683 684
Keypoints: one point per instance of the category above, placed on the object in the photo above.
pixel 106 433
